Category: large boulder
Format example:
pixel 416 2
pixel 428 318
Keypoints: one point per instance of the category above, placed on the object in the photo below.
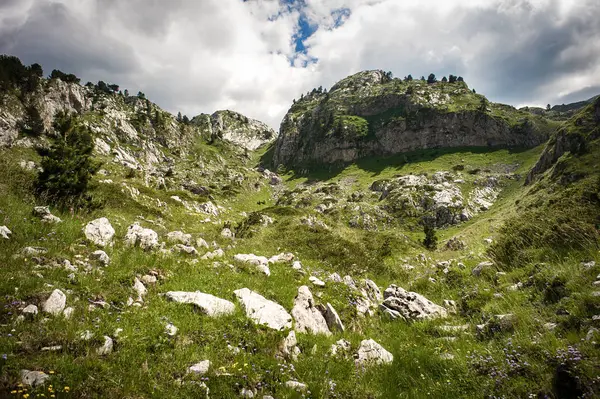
pixel 208 304
pixel 56 303
pixel 263 311
pixel 370 352
pixel 399 303
pixel 99 232
pixel 146 239
pixel 308 318
pixel 288 347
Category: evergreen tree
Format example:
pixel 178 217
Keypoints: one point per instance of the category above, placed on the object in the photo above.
pixel 126 93
pixel 430 241
pixel 186 120
pixel 409 78
pixel 444 80
pixel 460 79
pixel 33 123
pixel 179 118
pixel 67 167
pixel 431 79
pixel 451 79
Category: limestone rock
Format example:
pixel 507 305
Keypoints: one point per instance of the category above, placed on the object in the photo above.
pixel 101 257
pixel 30 311
pixel 179 237
pixel 218 253
pixel 282 258
pixel 227 233
pixel 200 368
pixel 288 347
pixel 296 386
pixel 260 262
pixel 5 232
pixel 481 267
pixel 209 208
pixel 33 251
pixel 308 318
pixel 263 311
pixel 146 239
pixel 99 232
pixel 316 281
pixel 341 347
pixel 208 304
pixel 410 305
pixel 331 317
pixel 185 249
pixel 370 352
pixel 106 348
pixel 34 378
pixel 201 243
pixel 140 289
pixel 171 329
pixel 43 212
pixel 56 303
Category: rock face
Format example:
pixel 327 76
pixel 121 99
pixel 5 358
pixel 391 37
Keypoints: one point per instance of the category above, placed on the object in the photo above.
pixel 308 318
pixel 100 232
pixel 208 304
pixel 263 311
pixel 56 303
pixel 370 352
pixel 241 130
pixel 370 114
pixel 399 303
pixel 146 239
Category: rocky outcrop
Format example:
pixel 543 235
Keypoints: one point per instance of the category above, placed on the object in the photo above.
pixel 146 239
pixel 569 139
pixel 308 318
pixel 370 114
pixel 399 303
pixel 238 129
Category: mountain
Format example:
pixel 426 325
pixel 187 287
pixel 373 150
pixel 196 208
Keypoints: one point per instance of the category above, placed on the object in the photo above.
pixel 179 266
pixel 371 114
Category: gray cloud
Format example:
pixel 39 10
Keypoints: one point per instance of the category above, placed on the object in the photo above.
pixel 199 56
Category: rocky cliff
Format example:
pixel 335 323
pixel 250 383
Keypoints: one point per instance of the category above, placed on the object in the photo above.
pixel 370 113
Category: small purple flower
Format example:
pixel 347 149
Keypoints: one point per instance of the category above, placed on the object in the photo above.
pixel 4 356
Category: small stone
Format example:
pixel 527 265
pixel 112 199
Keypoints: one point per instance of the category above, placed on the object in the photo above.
pixel 141 290
pixel 68 312
pixel 340 347
pixel 246 393
pixel 33 378
pixel 200 368
pixel 296 386
pixel 288 348
pixel 371 352
pixel 106 348
pixel 201 243
pixel 480 267
pixel 5 232
pixel 297 265
pixel 30 311
pixel 316 281
pixel 56 303
pixel 227 233
pixel 148 279
pixel 86 335
pixel 101 257
pixel 171 330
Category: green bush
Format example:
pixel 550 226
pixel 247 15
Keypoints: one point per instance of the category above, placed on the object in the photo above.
pixel 67 166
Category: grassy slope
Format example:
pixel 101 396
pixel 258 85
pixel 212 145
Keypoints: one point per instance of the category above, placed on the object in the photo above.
pixel 146 363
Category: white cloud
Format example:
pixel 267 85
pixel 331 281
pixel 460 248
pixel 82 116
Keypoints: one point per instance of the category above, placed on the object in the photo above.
pixel 200 56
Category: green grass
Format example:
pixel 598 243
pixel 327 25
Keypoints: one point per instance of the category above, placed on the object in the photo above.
pixel 147 363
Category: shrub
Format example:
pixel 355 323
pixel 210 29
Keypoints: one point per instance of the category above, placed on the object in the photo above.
pixel 67 166
pixel 430 241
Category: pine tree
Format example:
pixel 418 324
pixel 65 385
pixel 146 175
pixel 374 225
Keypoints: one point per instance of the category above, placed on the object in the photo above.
pixel 431 79
pixel 430 241
pixel 67 166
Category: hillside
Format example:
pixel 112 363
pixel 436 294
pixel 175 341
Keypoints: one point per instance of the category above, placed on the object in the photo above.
pixel 371 114
pixel 199 273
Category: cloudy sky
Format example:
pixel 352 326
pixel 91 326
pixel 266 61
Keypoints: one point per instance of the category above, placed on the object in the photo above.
pixel 255 56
